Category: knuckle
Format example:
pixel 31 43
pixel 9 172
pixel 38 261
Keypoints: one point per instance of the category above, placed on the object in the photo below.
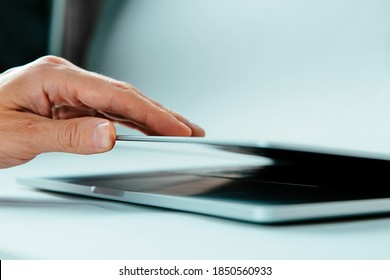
pixel 41 67
pixel 52 59
pixel 45 65
pixel 68 137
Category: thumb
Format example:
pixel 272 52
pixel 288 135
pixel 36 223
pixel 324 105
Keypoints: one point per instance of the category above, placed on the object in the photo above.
pixel 86 135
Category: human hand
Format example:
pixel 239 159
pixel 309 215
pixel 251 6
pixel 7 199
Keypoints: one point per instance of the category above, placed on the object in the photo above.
pixel 51 105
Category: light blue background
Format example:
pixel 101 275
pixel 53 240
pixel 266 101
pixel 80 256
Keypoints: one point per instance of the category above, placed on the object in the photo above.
pixel 301 71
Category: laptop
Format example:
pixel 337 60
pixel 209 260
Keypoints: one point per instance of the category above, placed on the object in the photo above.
pixel 301 184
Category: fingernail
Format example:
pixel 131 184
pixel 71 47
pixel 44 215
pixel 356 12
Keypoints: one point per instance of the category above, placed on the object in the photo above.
pixel 199 130
pixel 101 135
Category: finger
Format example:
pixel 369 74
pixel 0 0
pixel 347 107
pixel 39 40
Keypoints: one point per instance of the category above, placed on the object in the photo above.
pixel 197 131
pixel 86 135
pixel 111 96
pixel 26 135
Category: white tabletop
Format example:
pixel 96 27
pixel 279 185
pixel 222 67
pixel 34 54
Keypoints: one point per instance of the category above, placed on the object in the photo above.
pixel 41 225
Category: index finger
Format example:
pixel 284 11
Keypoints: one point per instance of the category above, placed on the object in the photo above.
pixel 108 95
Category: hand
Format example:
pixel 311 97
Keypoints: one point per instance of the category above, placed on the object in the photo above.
pixel 51 105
